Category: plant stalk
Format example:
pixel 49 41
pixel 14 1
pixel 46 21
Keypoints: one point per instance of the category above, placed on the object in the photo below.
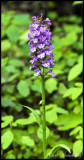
pixel 44 115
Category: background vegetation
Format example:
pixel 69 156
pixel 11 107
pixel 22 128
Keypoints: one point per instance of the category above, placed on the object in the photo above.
pixel 21 135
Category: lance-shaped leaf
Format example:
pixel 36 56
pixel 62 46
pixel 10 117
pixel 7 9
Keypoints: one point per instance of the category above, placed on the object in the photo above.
pixel 55 149
pixel 35 114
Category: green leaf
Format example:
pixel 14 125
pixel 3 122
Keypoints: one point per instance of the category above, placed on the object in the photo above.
pixel 7 139
pixel 73 92
pixel 12 33
pixel 6 17
pixel 79 84
pixel 5 45
pixel 75 71
pixel 4 61
pixel 7 103
pixel 10 156
pixel 52 15
pixel 76 93
pixel 7 120
pixel 23 88
pixel 54 150
pixel 68 92
pixel 75 130
pixel 40 133
pixel 10 89
pixel 65 141
pixel 51 85
pixel 77 148
pixel 36 86
pixel 61 154
pixel 22 121
pixel 80 135
pixel 11 69
pixel 21 19
pixel 14 76
pixel 24 38
pixel 66 122
pixel 16 62
pixel 61 110
pixel 77 2
pixel 49 117
pixel 35 114
pixel 27 141
pixel 70 39
pixel 62 88
pixel 18 133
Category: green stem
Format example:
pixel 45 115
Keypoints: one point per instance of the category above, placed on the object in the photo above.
pixel 44 116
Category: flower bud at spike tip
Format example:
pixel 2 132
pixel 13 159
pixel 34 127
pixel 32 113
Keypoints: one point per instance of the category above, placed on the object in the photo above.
pixel 40 46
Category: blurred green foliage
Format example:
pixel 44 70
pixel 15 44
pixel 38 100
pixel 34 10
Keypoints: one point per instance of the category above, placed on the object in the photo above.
pixel 21 135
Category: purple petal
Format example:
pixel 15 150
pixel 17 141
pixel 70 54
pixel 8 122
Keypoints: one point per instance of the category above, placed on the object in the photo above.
pixel 53 74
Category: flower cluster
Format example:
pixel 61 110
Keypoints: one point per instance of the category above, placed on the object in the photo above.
pixel 40 46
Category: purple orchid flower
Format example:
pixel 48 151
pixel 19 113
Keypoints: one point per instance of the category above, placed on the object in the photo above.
pixel 40 46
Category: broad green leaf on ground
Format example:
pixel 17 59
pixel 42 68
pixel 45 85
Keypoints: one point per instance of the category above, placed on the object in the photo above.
pixel 27 141
pixel 77 147
pixel 49 118
pixel 68 92
pixel 7 120
pixel 12 33
pixel 61 110
pixel 76 92
pixel 36 86
pixel 5 45
pixel 6 17
pixel 79 84
pixel 7 103
pixel 23 121
pixel 16 62
pixel 66 122
pixel 23 88
pixel 11 69
pixel 35 114
pixel 54 150
pixel 69 39
pixel 80 135
pixel 69 27
pixel 18 133
pixel 73 92
pixel 75 71
pixel 10 89
pixel 77 109
pixel 75 130
pixel 4 61
pixel 7 139
pixel 10 156
pixel 13 77
pixel 62 88
pixel 21 19
pixel 51 85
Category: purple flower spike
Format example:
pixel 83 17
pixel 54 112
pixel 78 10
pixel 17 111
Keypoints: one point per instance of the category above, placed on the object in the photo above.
pixel 40 46
pixel 37 72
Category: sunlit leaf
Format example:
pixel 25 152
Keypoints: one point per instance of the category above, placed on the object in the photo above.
pixel 7 139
